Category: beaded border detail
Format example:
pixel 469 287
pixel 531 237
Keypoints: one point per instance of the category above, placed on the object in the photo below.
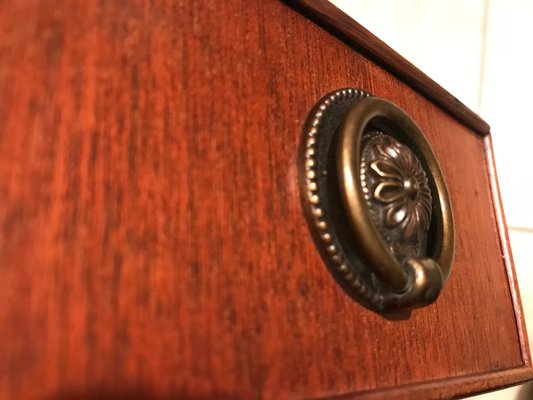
pixel 334 254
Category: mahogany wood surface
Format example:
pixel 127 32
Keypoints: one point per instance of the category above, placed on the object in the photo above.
pixel 152 241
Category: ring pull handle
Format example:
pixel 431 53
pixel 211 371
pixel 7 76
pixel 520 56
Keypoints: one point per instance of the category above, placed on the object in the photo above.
pixel 376 201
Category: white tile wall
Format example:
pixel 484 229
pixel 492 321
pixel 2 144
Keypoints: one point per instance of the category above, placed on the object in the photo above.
pixel 443 39
pixel 506 103
pixel 480 51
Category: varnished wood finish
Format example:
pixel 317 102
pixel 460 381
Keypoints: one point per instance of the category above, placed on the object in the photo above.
pixel 152 242
pixel 445 388
pixel 506 250
pixel 340 24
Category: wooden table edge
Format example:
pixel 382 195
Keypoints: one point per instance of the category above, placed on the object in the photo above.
pixel 446 388
pixel 339 24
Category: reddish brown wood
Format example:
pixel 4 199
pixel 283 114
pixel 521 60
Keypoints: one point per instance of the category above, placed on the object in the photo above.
pixel 446 388
pixel 343 26
pixel 506 250
pixel 152 243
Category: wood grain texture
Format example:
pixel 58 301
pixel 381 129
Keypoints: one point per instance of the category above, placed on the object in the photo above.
pixel 343 26
pixel 152 242
pixel 506 250
pixel 445 388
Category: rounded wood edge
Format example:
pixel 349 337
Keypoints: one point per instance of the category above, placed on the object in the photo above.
pixel 334 20
pixel 506 250
pixel 446 388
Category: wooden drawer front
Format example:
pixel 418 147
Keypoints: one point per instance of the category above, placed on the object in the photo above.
pixel 152 238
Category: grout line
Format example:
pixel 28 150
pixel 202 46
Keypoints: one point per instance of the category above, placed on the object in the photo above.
pixel 524 229
pixel 483 55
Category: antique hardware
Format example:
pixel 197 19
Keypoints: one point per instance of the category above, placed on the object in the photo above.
pixel 376 201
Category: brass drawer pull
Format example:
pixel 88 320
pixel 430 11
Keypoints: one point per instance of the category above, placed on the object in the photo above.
pixel 376 201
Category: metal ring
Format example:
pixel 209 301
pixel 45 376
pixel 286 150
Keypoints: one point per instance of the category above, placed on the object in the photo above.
pixel 372 246
pixel 338 134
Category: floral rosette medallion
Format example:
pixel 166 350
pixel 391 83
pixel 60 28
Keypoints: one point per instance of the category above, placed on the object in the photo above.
pixel 376 201
pixel 397 194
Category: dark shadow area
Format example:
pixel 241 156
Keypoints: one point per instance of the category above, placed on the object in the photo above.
pixel 398 315
pixel 526 392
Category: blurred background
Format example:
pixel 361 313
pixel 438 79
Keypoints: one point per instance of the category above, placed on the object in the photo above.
pixel 480 51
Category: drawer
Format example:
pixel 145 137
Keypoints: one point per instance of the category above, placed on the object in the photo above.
pixel 154 241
